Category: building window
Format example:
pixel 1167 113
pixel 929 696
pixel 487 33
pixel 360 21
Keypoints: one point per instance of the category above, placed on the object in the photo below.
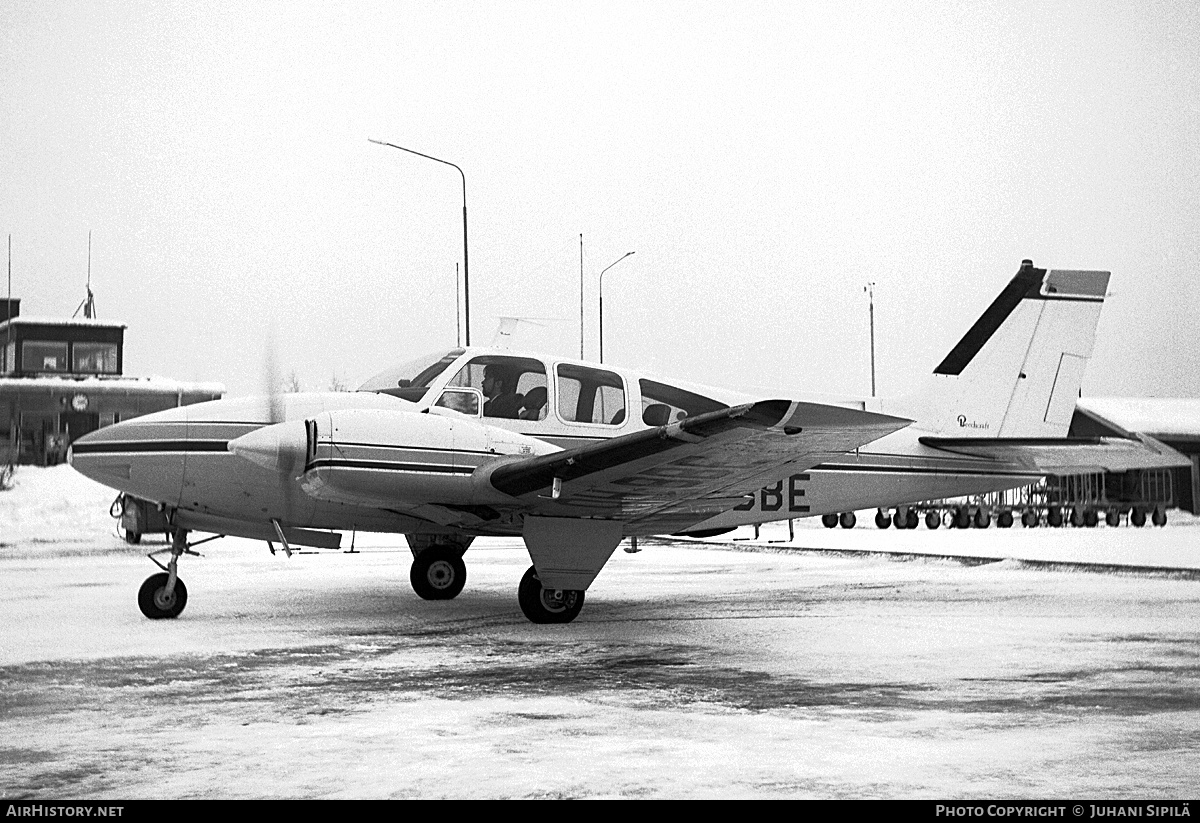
pixel 100 358
pixel 38 355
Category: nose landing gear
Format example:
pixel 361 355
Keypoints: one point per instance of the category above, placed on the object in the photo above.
pixel 163 595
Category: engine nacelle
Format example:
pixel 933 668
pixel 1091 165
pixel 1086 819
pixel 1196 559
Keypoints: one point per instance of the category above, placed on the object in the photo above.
pixel 388 457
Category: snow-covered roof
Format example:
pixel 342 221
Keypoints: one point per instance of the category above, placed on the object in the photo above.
pixel 1171 416
pixel 98 384
pixel 25 320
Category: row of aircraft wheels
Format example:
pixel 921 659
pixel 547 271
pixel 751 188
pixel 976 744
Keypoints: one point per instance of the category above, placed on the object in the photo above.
pixel 966 518
pixel 437 573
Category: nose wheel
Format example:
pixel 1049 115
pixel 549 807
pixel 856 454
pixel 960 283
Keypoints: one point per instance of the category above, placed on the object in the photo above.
pixel 157 601
pixel 543 605
pixel 438 573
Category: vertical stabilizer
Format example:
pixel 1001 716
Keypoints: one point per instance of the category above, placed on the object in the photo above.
pixel 1017 371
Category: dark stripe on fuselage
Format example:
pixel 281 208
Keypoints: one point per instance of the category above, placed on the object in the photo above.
pixel 946 472
pixel 384 465
pixel 148 446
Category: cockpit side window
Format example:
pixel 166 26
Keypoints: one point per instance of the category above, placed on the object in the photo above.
pixel 587 395
pixel 663 404
pixel 510 385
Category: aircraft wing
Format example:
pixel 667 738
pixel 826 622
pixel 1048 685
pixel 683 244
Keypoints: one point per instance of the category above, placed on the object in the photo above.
pixel 1065 455
pixel 674 476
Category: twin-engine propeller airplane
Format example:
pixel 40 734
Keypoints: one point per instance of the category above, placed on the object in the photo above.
pixel 574 457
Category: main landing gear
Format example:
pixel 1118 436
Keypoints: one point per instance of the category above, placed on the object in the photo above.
pixel 438 573
pixel 542 605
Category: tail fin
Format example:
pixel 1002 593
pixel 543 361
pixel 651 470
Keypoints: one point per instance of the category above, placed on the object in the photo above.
pixel 1017 371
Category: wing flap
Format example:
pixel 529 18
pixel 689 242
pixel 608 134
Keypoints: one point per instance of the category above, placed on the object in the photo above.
pixel 1083 455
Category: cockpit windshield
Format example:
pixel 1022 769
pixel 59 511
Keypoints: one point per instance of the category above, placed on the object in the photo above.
pixel 410 381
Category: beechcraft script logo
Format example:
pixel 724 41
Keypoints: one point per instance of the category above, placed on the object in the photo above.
pixel 964 423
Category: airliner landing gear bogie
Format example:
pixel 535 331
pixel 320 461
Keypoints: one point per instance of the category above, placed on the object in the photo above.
pixel 438 573
pixel 542 605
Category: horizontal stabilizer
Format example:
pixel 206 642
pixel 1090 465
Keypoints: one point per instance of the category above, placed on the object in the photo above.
pixel 1065 455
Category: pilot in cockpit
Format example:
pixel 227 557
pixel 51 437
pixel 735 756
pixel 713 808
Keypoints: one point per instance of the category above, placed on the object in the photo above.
pixel 499 386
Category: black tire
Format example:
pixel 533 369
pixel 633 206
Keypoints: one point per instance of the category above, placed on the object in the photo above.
pixel 933 520
pixel 542 606
pixel 899 521
pixel 1159 518
pixel 1091 518
pixel 1054 518
pixel 847 520
pixel 912 520
pixel 981 520
pixel 133 538
pixel 829 521
pixel 438 573
pixel 1112 518
pixel 1029 519
pixel 882 520
pixel 962 518
pixel 1005 520
pixel 1076 516
pixel 1138 517
pixel 152 602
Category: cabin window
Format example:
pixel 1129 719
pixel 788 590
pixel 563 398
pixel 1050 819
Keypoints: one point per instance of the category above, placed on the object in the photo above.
pixel 9 358
pixel 100 358
pixel 663 404
pixel 587 395
pixel 40 356
pixel 513 388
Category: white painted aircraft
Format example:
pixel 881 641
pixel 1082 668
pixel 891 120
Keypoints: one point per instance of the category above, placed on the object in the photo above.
pixel 574 457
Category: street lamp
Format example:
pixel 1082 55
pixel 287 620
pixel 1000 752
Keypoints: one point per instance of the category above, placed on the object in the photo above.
pixel 466 270
pixel 606 268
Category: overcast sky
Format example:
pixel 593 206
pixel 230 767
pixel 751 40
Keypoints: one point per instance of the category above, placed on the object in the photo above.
pixel 763 160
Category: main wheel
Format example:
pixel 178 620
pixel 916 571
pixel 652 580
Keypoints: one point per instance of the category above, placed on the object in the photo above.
pixel 1112 518
pixel 899 520
pixel 982 519
pixel 932 520
pixel 438 573
pixel 154 601
pixel 1005 520
pixel 912 520
pixel 1159 518
pixel 829 521
pixel 1029 519
pixel 882 520
pixel 547 605
pixel 847 520
pixel 1138 517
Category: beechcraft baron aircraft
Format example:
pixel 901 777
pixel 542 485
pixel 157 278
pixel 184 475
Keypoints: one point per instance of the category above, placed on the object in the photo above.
pixel 573 457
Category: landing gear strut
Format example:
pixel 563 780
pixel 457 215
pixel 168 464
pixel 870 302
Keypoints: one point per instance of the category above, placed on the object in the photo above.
pixel 163 595
pixel 542 605
pixel 438 573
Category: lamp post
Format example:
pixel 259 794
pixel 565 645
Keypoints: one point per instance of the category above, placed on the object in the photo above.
pixel 870 290
pixel 606 268
pixel 466 269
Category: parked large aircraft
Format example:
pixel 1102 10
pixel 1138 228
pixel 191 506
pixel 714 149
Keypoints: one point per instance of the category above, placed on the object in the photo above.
pixel 574 457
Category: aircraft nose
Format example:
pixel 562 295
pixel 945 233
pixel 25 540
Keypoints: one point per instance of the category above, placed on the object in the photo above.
pixel 280 448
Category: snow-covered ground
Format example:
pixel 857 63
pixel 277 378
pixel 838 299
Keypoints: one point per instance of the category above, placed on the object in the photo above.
pixel 735 670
